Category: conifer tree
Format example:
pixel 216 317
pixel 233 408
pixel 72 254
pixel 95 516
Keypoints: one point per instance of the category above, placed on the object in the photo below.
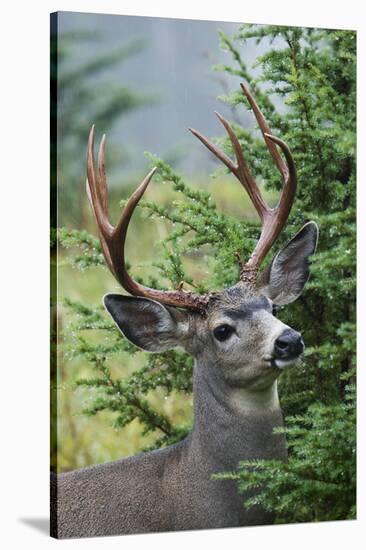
pixel 312 71
pixel 306 89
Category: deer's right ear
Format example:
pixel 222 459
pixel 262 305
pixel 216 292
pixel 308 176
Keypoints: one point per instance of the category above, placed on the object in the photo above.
pixel 146 323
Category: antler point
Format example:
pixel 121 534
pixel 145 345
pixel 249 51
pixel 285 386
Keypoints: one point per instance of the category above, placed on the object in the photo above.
pixel 91 133
pixel 244 88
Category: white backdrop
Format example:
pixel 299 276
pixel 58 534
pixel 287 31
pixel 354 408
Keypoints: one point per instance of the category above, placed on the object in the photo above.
pixel 24 269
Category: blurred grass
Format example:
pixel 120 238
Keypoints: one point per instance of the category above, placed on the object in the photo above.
pixel 83 440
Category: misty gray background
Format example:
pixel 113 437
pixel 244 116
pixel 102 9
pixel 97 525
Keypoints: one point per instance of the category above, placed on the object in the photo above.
pixel 176 66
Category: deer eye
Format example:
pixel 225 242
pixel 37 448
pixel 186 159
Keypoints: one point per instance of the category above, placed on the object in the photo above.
pixel 223 332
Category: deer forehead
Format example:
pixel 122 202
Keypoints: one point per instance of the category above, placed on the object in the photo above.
pixel 235 305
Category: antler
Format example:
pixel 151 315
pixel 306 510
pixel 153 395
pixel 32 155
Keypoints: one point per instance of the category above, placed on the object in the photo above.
pixel 272 219
pixel 113 239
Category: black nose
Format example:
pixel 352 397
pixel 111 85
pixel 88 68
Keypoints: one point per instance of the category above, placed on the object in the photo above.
pixel 289 344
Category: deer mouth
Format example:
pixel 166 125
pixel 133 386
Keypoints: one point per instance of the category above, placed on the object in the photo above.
pixel 284 363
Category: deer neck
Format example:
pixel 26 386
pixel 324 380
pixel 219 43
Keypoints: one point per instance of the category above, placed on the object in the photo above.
pixel 233 424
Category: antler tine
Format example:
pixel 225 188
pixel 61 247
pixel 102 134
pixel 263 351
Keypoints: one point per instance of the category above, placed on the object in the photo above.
pixel 96 191
pixel 290 179
pixel 241 170
pixel 96 188
pixel 273 219
pixel 103 243
pixel 113 239
pixel 277 216
pixel 215 150
pixel 102 187
pixel 118 240
pixel 266 131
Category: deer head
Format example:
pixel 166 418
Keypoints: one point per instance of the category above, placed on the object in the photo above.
pixel 233 330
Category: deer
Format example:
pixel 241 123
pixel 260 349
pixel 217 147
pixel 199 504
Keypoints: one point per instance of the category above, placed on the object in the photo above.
pixel 240 348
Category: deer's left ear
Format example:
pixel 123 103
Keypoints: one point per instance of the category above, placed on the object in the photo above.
pixel 284 279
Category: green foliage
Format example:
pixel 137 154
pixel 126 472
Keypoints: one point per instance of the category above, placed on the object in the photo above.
pixel 124 398
pixel 91 251
pixel 198 223
pixel 305 85
pixel 310 76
